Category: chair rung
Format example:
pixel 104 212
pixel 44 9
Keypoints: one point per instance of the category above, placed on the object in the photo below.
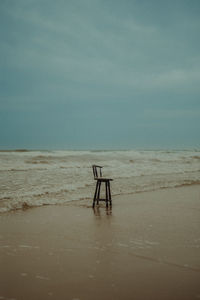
pixel 103 200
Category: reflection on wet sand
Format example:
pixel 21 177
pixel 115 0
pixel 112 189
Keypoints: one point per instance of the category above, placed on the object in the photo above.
pixel 99 211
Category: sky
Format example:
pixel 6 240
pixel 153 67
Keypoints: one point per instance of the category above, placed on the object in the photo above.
pixel 99 74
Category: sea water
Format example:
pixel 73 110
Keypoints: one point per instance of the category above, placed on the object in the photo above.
pixel 35 178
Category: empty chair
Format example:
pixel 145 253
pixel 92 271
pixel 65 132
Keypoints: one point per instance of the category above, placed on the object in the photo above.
pixel 97 171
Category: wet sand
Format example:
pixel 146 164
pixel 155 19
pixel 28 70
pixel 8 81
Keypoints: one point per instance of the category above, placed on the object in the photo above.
pixel 146 247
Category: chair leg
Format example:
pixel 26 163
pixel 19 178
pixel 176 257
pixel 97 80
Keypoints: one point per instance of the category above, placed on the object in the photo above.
pixel 106 186
pixel 98 193
pixel 109 192
pixel 95 194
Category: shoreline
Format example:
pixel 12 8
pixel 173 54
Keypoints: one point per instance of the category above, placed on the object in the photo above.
pixel 26 205
pixel 145 247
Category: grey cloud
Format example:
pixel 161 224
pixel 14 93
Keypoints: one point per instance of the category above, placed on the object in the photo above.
pixel 119 57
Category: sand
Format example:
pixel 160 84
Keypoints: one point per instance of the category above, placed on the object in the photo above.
pixel 146 247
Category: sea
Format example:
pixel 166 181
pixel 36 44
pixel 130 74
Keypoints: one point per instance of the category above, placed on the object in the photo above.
pixel 36 178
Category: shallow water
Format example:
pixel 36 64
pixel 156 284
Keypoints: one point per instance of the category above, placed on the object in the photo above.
pixel 35 178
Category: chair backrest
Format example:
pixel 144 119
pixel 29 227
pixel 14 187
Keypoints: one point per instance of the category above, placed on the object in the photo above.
pixel 97 171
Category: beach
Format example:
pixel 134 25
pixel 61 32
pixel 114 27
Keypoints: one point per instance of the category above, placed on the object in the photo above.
pixel 145 247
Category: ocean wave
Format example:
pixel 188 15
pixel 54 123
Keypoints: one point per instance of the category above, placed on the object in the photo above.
pixel 63 196
pixel 195 157
pixel 42 178
pixel 188 183
pixel 16 150
pixel 38 162
pixel 23 170
pixel 165 173
pixel 40 159
pixel 14 206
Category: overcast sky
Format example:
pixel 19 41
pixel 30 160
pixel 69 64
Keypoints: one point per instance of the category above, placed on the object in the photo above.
pixel 99 74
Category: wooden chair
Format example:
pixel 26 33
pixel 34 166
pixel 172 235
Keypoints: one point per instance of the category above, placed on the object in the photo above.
pixel 97 171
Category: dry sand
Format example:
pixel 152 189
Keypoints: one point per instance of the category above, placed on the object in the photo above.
pixel 146 247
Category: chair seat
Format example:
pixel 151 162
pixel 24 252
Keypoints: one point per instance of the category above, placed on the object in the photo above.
pixel 103 179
